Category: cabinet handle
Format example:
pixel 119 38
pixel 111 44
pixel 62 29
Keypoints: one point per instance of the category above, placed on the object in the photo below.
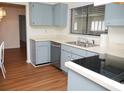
pixel 70 57
pixel 56 46
pixel 33 5
pixel 108 22
pixel 33 22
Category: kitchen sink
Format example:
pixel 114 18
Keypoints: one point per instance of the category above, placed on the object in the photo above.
pixel 82 44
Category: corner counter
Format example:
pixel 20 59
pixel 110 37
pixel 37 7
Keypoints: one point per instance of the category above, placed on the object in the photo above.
pixel 95 81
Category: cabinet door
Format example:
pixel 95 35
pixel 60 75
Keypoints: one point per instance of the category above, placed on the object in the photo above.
pixel 41 14
pixel 73 57
pixel 88 54
pixel 60 15
pixel 42 54
pixel 65 56
pixel 114 15
pixel 33 51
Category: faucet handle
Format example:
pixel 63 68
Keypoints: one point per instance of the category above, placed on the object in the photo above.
pixel 79 39
pixel 93 41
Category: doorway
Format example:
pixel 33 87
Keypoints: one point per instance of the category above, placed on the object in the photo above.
pixel 22 34
pixel 22 31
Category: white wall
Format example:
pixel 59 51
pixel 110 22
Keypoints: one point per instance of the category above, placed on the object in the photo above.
pixel 9 26
pixel 116 35
pixel 116 38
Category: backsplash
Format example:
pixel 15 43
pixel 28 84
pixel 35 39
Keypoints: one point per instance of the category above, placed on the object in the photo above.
pixel 116 37
pixel 43 30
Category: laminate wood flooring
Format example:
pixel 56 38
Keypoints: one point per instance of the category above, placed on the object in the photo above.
pixel 22 76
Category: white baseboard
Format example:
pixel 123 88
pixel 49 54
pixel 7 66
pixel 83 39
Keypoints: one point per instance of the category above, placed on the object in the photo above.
pixel 28 61
pixel 39 65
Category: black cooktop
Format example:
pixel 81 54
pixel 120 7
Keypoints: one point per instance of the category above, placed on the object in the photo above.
pixel 107 65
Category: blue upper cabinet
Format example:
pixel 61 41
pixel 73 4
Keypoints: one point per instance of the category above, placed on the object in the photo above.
pixel 48 15
pixel 114 15
pixel 41 14
pixel 60 14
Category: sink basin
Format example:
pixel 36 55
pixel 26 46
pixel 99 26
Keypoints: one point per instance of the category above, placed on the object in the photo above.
pixel 82 44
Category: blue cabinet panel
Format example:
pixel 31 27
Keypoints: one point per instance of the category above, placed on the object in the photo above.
pixel 70 53
pixel 60 14
pixel 40 52
pixel 77 82
pixel 114 15
pixel 65 56
pixel 78 51
pixel 32 51
pixel 75 56
pixel 41 14
pixel 48 15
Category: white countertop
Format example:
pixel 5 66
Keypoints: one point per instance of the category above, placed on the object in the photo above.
pixel 99 79
pixel 116 51
pixel 96 49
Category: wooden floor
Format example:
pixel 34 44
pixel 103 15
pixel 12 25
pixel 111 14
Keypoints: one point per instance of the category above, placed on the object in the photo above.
pixel 23 76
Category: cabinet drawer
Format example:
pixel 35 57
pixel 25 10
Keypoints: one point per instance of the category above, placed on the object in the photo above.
pixel 74 50
pixel 66 48
pixel 74 57
pixel 60 14
pixel 42 43
pixel 88 54
pixel 79 52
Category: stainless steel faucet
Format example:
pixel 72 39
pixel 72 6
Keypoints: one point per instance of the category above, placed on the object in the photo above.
pixel 93 41
pixel 84 40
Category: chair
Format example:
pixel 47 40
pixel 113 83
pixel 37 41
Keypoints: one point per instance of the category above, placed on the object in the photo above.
pixel 2 59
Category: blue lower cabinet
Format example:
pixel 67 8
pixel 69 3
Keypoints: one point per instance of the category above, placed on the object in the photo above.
pixel 65 56
pixel 40 52
pixel 69 53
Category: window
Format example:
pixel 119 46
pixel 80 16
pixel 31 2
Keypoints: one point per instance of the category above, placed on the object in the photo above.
pixel 88 20
pixel 79 18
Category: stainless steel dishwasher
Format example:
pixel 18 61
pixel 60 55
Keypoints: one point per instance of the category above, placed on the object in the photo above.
pixel 55 54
